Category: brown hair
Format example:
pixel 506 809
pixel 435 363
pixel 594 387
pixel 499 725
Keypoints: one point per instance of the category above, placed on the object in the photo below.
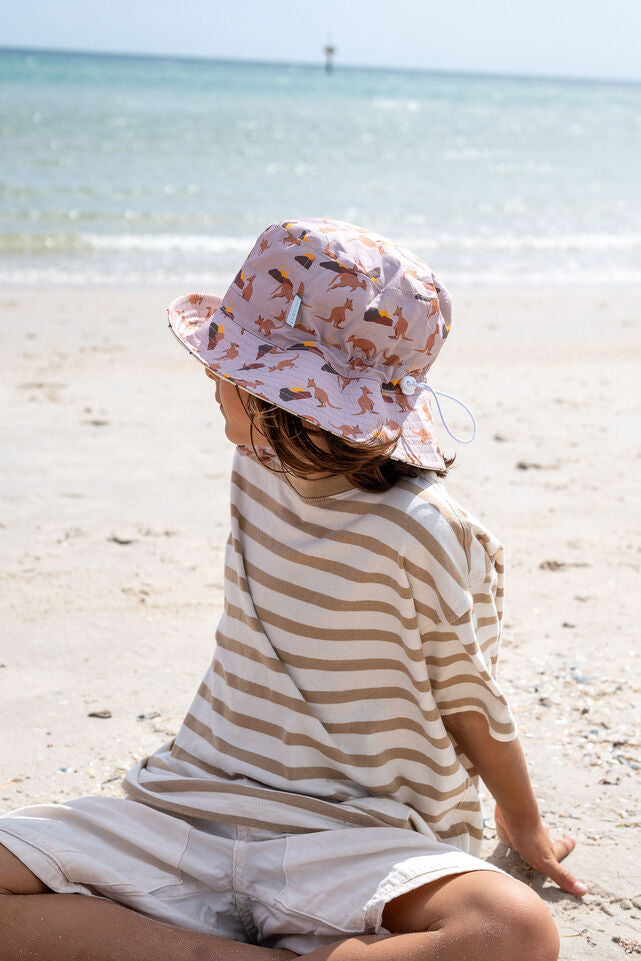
pixel 367 465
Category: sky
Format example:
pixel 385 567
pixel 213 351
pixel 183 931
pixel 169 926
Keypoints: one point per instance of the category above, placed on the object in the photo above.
pixel 562 38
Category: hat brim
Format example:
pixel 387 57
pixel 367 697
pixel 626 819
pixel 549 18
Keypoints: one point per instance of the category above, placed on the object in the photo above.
pixel 303 379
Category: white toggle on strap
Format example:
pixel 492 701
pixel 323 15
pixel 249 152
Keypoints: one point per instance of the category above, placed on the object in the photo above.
pixel 409 385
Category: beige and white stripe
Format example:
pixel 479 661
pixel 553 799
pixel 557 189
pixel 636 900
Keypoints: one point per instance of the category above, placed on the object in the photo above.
pixel 353 624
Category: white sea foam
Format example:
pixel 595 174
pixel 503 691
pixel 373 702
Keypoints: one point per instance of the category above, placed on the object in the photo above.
pixel 221 245
pixel 205 243
pixel 68 241
pixel 562 242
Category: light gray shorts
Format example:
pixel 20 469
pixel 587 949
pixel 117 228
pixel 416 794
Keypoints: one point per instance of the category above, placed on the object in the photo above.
pixel 294 891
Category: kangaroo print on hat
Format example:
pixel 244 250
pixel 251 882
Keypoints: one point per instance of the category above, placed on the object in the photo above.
pixel 325 319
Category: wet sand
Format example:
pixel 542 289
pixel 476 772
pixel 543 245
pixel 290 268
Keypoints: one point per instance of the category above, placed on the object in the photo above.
pixel 113 519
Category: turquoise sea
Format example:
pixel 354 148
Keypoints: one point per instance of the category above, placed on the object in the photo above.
pixel 136 170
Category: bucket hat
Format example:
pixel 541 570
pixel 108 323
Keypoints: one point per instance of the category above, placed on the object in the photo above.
pixel 334 323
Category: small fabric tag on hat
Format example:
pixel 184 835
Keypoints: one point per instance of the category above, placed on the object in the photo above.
pixel 293 310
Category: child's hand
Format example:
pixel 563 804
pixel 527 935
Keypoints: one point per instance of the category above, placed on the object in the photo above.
pixel 538 850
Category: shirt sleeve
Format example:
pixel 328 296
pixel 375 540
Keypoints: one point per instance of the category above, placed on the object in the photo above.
pixel 458 597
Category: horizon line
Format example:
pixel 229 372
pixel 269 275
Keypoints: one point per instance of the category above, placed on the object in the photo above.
pixel 320 64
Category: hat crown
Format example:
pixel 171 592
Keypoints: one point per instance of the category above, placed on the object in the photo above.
pixel 361 299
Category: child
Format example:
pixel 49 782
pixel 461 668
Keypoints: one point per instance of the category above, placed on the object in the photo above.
pixel 321 797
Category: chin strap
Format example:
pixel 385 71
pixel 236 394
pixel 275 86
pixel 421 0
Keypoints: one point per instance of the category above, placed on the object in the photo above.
pixel 409 385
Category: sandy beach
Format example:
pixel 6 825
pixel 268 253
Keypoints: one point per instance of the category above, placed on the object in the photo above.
pixel 113 519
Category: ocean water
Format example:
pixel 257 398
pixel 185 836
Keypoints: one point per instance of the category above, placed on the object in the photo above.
pixel 124 170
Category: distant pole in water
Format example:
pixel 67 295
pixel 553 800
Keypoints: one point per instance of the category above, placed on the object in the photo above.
pixel 330 50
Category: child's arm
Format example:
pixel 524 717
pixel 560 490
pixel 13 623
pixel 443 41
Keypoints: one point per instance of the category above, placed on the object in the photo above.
pixel 502 766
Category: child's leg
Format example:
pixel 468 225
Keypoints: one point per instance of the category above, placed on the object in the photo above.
pixel 482 915
pixel 43 926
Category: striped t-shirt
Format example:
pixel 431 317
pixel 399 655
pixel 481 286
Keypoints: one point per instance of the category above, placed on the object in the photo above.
pixel 353 623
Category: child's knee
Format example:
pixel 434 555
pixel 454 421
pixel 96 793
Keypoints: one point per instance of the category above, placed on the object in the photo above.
pixel 531 926
pixel 512 920
pixel 15 878
pixel 494 915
